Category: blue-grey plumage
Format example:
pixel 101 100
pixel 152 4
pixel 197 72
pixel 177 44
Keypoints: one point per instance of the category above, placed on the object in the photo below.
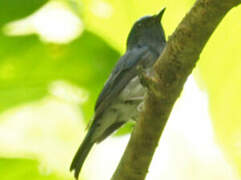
pixel 122 95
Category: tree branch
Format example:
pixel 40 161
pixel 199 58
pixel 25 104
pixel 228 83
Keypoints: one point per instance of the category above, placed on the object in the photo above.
pixel 172 69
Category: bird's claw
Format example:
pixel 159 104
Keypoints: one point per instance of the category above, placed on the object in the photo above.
pixel 147 81
pixel 143 77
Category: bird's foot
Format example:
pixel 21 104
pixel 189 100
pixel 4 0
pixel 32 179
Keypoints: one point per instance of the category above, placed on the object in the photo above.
pixel 146 80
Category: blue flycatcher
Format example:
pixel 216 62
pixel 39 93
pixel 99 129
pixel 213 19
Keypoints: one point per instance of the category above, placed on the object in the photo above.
pixel 122 96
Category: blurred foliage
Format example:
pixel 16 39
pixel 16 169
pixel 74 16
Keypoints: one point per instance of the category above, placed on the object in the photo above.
pixel 220 72
pixel 24 169
pixel 15 9
pixel 28 65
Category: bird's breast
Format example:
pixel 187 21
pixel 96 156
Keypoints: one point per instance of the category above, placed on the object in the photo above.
pixel 126 105
pixel 133 89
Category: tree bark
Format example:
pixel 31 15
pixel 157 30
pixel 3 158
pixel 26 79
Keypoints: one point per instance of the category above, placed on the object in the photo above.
pixel 171 71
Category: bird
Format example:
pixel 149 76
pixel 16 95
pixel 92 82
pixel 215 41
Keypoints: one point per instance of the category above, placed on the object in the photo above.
pixel 121 98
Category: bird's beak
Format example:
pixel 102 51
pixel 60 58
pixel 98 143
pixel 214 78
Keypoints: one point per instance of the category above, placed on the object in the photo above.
pixel 160 14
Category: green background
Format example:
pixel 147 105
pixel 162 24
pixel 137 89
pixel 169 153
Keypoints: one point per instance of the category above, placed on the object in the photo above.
pixel 29 65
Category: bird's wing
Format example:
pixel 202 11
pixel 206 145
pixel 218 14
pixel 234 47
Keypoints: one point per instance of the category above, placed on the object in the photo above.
pixel 123 72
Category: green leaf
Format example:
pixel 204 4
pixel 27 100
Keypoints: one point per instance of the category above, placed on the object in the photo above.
pixel 17 169
pixel 18 57
pixel 15 9
pixel 28 66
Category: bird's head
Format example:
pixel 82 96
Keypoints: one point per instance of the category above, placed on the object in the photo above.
pixel 147 31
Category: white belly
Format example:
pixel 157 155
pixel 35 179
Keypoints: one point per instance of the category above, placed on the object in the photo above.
pixel 125 107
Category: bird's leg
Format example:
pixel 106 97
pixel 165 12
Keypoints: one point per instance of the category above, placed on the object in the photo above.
pixel 143 76
pixel 146 80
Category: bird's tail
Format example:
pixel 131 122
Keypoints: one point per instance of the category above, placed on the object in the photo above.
pixel 82 153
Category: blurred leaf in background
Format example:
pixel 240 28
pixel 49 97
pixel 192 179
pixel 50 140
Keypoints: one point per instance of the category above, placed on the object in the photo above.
pixel 219 70
pixel 28 69
pixel 15 9
pixel 24 169
pixel 54 59
pixel 31 70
